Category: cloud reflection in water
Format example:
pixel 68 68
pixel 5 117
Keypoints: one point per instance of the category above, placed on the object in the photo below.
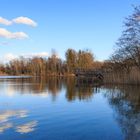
pixel 26 128
pixel 6 115
pixel 6 121
pixel 5 126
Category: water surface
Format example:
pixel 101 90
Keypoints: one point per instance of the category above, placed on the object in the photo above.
pixel 57 109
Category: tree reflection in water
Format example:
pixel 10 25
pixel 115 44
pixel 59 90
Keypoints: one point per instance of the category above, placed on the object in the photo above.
pixel 125 100
pixel 80 92
pixel 50 86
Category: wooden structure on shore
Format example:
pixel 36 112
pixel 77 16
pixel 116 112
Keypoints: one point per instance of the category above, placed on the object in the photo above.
pixel 89 76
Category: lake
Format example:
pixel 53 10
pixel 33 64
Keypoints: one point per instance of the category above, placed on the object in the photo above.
pixel 59 109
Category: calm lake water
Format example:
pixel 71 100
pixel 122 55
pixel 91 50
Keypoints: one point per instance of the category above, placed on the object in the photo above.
pixel 57 109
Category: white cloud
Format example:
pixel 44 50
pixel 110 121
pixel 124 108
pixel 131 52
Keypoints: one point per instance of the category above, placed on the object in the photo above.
pixel 5 21
pixel 24 20
pixel 9 56
pixel 41 54
pixel 18 20
pixel 12 35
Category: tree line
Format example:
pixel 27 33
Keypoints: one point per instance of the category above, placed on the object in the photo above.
pixel 53 65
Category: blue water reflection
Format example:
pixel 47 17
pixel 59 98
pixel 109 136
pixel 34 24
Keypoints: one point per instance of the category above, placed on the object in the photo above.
pixel 57 109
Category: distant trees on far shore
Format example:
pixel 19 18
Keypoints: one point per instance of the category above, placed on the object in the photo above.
pixel 52 65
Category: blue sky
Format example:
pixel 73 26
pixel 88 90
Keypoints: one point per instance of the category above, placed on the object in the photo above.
pixel 63 24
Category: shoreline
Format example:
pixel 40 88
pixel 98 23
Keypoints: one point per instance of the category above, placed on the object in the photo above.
pixel 4 76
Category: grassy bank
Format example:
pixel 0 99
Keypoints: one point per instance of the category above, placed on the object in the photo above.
pixel 133 77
